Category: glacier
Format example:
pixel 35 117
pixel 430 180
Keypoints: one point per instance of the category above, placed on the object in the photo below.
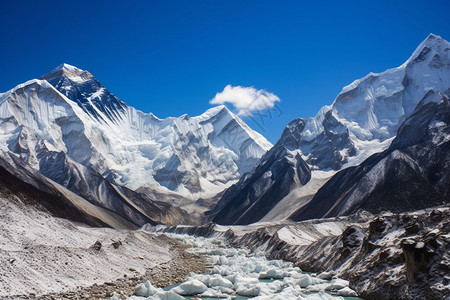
pixel 238 272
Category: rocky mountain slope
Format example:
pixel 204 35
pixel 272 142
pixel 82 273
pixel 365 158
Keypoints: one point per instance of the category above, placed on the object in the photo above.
pixel 363 120
pixel 278 173
pixel 72 130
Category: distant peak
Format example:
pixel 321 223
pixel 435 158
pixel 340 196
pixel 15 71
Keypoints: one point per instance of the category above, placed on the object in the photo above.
pixel 220 111
pixel 67 71
pixel 221 107
pixel 432 40
pixel 217 109
pixel 432 36
pixel 431 45
pixel 66 67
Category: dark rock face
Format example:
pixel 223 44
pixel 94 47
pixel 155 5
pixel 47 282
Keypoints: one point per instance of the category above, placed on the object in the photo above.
pixel 324 150
pixel 88 89
pixel 417 256
pixel 258 192
pixel 33 190
pixel 353 237
pixel 88 184
pixel 406 265
pixel 411 174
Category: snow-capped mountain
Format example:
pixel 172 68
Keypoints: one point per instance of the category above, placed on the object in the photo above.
pixel 66 125
pixel 185 154
pixel 80 86
pixel 363 119
pixel 366 114
pixel 413 173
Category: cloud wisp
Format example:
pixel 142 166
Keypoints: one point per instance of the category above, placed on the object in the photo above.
pixel 246 99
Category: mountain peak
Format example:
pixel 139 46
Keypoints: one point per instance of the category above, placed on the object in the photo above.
pixel 67 71
pixel 217 109
pixel 66 67
pixel 431 45
pixel 432 40
pixel 432 36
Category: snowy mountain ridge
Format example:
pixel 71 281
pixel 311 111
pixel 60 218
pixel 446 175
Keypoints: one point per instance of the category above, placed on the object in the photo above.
pixel 411 174
pixel 69 111
pixel 373 107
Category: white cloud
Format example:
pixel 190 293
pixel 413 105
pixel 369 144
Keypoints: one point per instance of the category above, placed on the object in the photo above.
pixel 246 99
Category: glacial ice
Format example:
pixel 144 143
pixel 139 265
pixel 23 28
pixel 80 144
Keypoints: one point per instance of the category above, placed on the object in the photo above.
pixel 238 272
pixel 347 292
pixel 191 287
pixel 146 289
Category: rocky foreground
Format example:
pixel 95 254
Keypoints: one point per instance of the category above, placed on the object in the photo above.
pixel 389 256
pixel 43 257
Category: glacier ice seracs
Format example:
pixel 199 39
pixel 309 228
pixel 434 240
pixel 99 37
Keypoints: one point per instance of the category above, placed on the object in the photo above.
pixel 239 272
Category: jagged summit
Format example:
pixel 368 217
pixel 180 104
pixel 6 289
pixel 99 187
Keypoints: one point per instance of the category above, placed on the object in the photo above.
pixel 83 88
pixel 431 39
pixel 431 48
pixel 434 37
pixel 66 67
pixel 432 44
pixel 372 108
pixel 216 109
pixel 68 71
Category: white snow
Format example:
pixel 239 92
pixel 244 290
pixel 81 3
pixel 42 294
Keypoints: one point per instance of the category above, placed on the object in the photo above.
pixel 65 67
pixel 298 196
pixel 347 292
pixel 146 289
pixel 307 233
pixel 373 107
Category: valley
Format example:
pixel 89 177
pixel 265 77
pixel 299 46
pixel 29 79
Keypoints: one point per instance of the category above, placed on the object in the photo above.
pixel 99 200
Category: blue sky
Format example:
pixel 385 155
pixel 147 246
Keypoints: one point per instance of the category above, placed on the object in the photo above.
pixel 172 57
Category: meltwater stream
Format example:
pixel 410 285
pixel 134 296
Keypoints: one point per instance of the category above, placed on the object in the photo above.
pixel 238 274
